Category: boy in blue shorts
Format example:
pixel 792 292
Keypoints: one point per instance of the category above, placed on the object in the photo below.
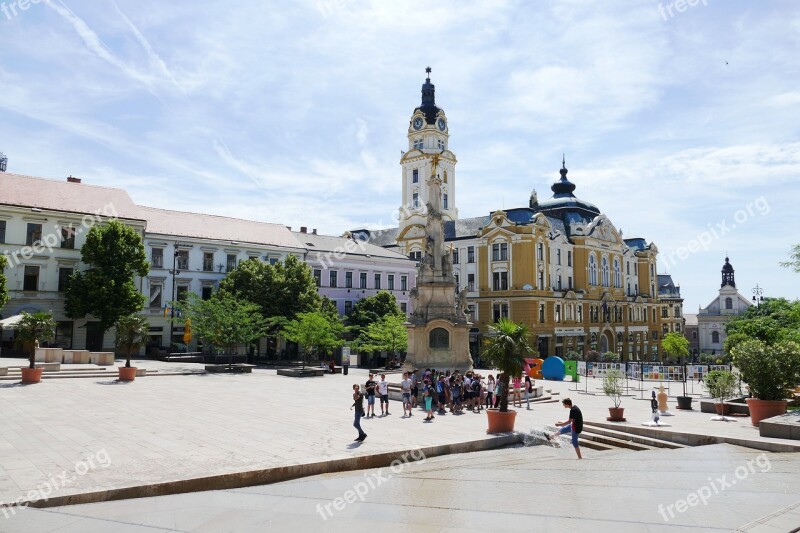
pixel 573 425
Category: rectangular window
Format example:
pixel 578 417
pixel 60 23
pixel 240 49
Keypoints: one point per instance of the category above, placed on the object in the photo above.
pixel 541 313
pixel 207 290
pixel 348 308
pixel 68 238
pixel 208 261
pixel 182 259
pixel 444 201
pixel 540 252
pixel 455 256
pixel 390 282
pixel 415 176
pixel 569 258
pixel 500 281
pixel 403 307
pixel 558 312
pixel 499 310
pixel 362 280
pixel 156 258
pixel 63 278
pixel 2 231
pixel 580 313
pixel 470 254
pixel 495 252
pixel 540 285
pixel 182 292
pixel 415 200
pixel 471 282
pixel 403 283
pixel 333 278
pixel 558 282
pixel 230 263
pixel 569 282
pixel 34 234
pixel 628 268
pixel 504 251
pixel 558 256
pixel 348 280
pixel 156 289
pixel 31 280
pixel 664 312
pixel 318 277
pixel 377 281
pixel 64 334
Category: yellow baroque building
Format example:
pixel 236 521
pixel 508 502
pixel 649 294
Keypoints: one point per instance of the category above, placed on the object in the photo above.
pixel 559 265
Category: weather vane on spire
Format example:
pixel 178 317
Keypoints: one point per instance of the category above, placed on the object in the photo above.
pixel 428 71
pixel 563 160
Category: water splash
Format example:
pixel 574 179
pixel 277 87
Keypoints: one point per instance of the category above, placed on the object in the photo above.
pixel 538 437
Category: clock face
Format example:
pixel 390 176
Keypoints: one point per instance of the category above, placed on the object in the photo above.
pixel 417 123
pixel 442 124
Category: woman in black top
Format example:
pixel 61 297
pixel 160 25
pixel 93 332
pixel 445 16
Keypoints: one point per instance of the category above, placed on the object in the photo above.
pixel 358 404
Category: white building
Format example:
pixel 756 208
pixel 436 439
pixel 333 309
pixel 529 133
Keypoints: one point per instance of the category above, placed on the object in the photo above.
pixel 712 318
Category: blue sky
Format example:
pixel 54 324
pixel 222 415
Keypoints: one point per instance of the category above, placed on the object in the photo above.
pixel 682 126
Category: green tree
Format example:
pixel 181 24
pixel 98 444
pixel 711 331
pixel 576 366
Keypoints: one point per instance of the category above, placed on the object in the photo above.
pixel 794 259
pixel 675 345
pixel 388 333
pixel 131 332
pixel 225 321
pixel 371 309
pixel 33 327
pixel 281 291
pixel 773 321
pixel 507 344
pixel 3 287
pixel 770 370
pixel 316 332
pixel 115 255
pixel 720 385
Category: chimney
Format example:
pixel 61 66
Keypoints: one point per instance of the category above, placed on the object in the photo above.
pixel 72 179
pixel 314 231
pixel 303 229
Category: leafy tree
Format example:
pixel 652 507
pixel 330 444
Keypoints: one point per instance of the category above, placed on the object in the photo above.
pixel 770 370
pixel 614 386
pixel 3 287
pixel 225 321
pixel 794 259
pixel 675 344
pixel 720 385
pixel 115 255
pixel 388 333
pixel 281 291
pixel 773 321
pixel 506 346
pixel 33 327
pixel 131 332
pixel 315 331
pixel 371 309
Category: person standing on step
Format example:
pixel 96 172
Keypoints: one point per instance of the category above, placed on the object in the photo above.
pixel 383 390
pixel 370 388
pixel 405 389
pixel 572 425
pixel 358 405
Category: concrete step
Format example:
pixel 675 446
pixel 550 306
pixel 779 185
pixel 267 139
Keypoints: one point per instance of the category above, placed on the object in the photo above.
pixel 620 433
pixel 594 445
pixel 622 443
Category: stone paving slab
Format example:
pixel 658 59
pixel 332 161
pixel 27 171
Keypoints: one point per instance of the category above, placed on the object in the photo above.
pixel 90 435
pixel 522 489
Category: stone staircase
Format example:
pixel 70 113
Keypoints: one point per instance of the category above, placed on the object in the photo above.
pixel 599 438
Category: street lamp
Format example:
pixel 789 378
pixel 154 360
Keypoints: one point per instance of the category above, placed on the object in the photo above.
pixel 174 272
pixel 758 297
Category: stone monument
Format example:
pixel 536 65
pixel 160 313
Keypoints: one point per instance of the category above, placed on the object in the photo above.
pixel 438 329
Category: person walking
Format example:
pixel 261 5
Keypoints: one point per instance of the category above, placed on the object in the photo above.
pixel 358 405
pixel 405 389
pixel 516 383
pixel 370 388
pixel 498 391
pixel 528 391
pixel 383 390
pixel 427 396
pixel 574 425
pixel 414 387
pixel 489 391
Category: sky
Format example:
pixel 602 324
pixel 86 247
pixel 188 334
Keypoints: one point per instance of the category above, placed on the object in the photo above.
pixel 679 120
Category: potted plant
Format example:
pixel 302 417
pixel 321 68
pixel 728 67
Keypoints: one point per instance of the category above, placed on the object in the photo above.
pixel 613 387
pixel 32 328
pixel 771 371
pixel 506 346
pixel 720 385
pixel 131 333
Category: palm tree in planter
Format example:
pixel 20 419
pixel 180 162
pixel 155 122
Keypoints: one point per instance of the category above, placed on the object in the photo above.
pixel 613 387
pixel 771 371
pixel 32 328
pixel 505 349
pixel 132 332
pixel 721 385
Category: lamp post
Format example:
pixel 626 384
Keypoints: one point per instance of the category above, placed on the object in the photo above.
pixel 758 295
pixel 174 272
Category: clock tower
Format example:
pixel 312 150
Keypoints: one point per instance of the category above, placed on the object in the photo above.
pixel 428 153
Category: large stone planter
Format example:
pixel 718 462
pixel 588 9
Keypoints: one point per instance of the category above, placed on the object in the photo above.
pixel 500 422
pixel 761 409
pixel 31 375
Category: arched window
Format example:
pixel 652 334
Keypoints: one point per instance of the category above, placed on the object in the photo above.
pixel 592 270
pixel 605 272
pixel 617 274
pixel 715 337
pixel 728 303
pixel 439 338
